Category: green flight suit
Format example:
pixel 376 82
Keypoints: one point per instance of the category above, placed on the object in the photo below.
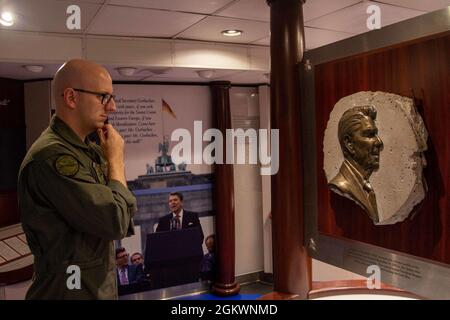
pixel 71 213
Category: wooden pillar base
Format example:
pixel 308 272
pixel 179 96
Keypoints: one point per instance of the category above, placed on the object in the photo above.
pixel 225 290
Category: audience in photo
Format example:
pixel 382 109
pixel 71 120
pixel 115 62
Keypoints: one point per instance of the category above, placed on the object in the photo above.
pixel 138 260
pixel 207 267
pixel 127 273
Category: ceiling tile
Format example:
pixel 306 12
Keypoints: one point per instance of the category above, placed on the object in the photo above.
pixel 429 5
pixel 46 15
pixel 124 21
pixel 206 55
pixel 248 9
pixel 354 19
pixel 259 10
pixel 315 38
pixel 263 42
pixel 210 30
pixel 196 6
pixel 316 8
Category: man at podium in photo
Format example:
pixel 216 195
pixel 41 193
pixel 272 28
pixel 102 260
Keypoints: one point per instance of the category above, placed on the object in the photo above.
pixel 178 218
pixel 174 252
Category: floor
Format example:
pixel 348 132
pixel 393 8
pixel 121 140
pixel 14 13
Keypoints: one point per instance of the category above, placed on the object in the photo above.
pixel 249 291
pixel 200 291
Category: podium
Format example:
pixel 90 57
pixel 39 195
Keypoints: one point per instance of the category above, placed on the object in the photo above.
pixel 174 257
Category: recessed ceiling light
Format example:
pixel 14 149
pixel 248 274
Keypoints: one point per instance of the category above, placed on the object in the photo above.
pixel 34 68
pixel 232 33
pixel 206 74
pixel 126 71
pixel 7 19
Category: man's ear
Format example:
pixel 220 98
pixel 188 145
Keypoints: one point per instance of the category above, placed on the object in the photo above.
pixel 349 144
pixel 70 98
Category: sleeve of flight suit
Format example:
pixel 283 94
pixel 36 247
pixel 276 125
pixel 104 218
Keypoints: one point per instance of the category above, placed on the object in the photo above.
pixel 88 206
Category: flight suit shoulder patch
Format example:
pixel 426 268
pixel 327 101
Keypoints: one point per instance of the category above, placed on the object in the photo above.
pixel 67 165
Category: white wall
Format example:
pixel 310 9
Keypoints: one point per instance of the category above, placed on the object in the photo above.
pixel 247 191
pixel 264 109
pixel 37 108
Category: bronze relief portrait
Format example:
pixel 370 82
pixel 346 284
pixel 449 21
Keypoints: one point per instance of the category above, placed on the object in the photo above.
pixel 361 147
pixel 373 149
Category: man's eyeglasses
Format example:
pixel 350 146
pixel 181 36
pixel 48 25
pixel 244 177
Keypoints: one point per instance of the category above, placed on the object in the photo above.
pixel 106 97
pixel 122 256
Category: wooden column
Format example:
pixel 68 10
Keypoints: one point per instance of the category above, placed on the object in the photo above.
pixel 291 263
pixel 224 283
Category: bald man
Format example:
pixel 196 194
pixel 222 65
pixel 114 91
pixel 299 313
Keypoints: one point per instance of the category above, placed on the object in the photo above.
pixel 73 196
